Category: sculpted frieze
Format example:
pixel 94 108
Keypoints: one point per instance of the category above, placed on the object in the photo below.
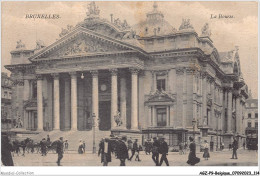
pixel 85 45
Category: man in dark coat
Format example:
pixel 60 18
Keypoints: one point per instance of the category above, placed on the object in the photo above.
pixel 135 150
pixel 155 151
pixel 23 145
pixel 105 151
pixel 235 147
pixel 59 150
pixel 43 145
pixel 122 152
pixel 164 151
pixel 6 149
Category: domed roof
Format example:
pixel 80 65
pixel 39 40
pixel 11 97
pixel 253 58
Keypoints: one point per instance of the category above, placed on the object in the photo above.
pixel 154 25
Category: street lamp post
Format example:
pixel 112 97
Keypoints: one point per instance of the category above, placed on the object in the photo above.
pixel 194 124
pixel 94 131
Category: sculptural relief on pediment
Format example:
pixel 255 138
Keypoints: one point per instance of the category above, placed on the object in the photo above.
pixel 83 46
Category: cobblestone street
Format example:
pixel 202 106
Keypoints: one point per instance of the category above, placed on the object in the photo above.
pixel 245 158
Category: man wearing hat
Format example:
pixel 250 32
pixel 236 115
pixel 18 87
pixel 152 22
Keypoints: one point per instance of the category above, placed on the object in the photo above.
pixel 43 146
pixel 155 151
pixel 59 150
pixel 164 151
pixel 122 152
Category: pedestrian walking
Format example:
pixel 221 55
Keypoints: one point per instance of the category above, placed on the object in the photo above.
pixel 105 151
pixel 23 145
pixel 234 147
pixel 80 148
pixel 66 146
pixel 192 159
pixel 84 146
pixel 59 150
pixel 43 145
pixel 163 149
pixel 206 150
pixel 230 146
pixel 130 147
pixel 155 151
pixel 122 152
pixel 244 145
pixel 48 139
pixel 6 148
pixel 181 147
pixel 135 151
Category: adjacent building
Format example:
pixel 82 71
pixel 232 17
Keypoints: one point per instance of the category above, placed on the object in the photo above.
pixel 142 81
pixel 251 117
pixel 6 108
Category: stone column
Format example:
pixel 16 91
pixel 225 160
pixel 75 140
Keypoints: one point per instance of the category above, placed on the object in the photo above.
pixel 134 100
pixel 95 95
pixel 204 97
pixel 39 102
pixel 26 94
pixel 123 100
pixel 229 111
pixel 114 97
pixel 56 86
pixel 74 102
pixel 67 100
pixel 238 114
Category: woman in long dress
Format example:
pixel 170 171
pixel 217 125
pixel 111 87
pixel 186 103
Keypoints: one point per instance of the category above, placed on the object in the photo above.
pixel 192 159
pixel 206 150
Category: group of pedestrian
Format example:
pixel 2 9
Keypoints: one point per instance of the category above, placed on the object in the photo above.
pixel 160 147
pixel 82 147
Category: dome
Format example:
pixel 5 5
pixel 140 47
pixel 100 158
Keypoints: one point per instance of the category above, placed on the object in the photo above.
pixel 154 25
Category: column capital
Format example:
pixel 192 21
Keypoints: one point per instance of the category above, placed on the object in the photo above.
pixel 39 77
pixel 180 70
pixel 113 71
pixel 55 75
pixel 134 71
pixel 72 73
pixel 94 73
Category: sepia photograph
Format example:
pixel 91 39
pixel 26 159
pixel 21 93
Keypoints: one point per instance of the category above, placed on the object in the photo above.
pixel 120 83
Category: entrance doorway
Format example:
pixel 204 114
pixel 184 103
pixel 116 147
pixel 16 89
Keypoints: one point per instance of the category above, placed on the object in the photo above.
pixel 104 115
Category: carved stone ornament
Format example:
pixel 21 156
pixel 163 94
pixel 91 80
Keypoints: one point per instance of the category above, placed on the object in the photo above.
pixel 94 73
pixel 113 71
pixel 118 119
pixel 93 10
pixel 65 31
pixel 84 45
pixel 205 31
pixel 20 45
pixel 134 70
pixel 39 44
pixel 185 24
pixel 161 96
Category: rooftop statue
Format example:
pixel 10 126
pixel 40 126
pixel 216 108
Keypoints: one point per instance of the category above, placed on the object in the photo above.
pixel 20 45
pixel 39 44
pixel 185 24
pixel 65 31
pixel 93 10
pixel 205 31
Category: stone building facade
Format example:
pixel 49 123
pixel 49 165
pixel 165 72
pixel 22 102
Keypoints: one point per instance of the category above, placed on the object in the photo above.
pixel 151 77
pixel 251 117
pixel 6 96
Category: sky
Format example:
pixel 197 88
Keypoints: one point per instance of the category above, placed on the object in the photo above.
pixel 242 30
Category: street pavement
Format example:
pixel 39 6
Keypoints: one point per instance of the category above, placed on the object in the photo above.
pixel 220 158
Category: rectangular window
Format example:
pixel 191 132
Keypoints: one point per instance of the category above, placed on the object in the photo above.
pixel 161 84
pixel 161 117
pixel 256 115
pixel 249 124
pixel 249 115
pixel 256 124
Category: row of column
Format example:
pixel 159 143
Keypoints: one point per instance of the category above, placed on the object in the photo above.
pixel 95 100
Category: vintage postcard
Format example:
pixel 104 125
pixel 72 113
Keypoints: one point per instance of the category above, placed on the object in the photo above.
pixel 125 83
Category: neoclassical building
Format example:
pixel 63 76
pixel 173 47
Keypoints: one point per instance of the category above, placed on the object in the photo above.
pixel 152 78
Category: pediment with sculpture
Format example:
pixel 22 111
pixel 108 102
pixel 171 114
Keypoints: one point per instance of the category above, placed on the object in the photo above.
pixel 160 96
pixel 84 45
